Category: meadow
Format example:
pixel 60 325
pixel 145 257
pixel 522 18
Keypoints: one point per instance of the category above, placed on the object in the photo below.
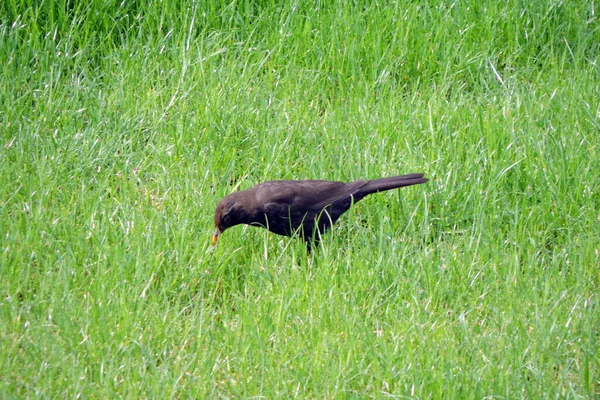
pixel 122 124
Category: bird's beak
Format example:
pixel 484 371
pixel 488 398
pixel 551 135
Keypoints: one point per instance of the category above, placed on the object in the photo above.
pixel 215 236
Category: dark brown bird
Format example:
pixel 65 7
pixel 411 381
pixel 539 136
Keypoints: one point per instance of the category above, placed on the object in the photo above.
pixel 306 208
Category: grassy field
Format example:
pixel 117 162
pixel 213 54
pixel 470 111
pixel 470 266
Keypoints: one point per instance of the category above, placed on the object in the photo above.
pixel 123 124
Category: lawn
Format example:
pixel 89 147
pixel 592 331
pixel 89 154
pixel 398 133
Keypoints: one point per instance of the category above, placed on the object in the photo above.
pixel 122 124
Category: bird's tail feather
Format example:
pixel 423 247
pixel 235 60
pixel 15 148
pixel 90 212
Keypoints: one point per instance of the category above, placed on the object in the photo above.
pixel 380 185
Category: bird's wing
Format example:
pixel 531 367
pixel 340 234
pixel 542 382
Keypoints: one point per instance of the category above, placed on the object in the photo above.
pixel 307 195
pixel 341 193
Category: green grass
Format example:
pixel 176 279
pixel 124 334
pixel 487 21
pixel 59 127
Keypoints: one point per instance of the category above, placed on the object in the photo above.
pixel 123 123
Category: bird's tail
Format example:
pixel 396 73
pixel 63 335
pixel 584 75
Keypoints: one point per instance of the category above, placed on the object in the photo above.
pixel 380 185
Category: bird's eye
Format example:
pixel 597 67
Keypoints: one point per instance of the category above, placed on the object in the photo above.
pixel 227 219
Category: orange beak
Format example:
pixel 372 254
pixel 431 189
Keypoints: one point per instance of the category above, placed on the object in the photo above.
pixel 215 237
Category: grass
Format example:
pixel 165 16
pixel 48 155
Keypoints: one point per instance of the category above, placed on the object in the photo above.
pixel 123 124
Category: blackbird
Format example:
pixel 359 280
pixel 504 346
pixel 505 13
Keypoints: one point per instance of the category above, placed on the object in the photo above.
pixel 305 208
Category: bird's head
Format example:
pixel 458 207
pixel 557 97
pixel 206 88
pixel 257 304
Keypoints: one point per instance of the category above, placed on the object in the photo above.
pixel 227 214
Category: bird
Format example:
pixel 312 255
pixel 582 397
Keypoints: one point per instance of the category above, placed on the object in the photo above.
pixel 304 208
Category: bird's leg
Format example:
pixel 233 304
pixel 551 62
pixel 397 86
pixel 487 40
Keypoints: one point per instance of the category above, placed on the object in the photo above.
pixel 309 247
pixel 312 243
